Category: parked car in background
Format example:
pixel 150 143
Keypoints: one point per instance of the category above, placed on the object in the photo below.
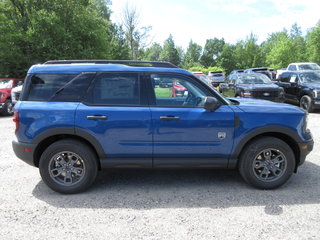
pixel 303 66
pixel 74 119
pixel 302 87
pixel 236 71
pixel 280 71
pixel 164 83
pixel 204 78
pixel 216 77
pixel 273 73
pixel 6 85
pixel 262 70
pixel 252 85
pixel 15 94
pixel 178 90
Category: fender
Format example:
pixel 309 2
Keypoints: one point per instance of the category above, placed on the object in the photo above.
pixel 268 129
pixel 77 132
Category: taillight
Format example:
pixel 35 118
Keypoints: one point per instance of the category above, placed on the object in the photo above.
pixel 16 119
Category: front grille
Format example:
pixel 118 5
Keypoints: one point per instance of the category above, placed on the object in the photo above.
pixel 265 94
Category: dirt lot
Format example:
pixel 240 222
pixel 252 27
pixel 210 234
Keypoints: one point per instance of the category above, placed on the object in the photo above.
pixel 144 204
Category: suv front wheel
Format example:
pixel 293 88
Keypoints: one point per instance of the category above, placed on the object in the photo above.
pixel 267 163
pixel 68 166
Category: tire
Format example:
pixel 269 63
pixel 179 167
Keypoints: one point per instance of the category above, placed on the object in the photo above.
pixel 267 163
pixel 306 103
pixel 8 108
pixel 68 166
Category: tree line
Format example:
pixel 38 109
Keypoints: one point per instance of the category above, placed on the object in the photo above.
pixel 34 31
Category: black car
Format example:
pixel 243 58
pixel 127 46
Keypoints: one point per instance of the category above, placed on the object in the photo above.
pixel 262 70
pixel 252 85
pixel 302 87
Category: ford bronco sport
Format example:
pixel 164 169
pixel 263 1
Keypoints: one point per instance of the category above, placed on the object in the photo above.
pixel 76 117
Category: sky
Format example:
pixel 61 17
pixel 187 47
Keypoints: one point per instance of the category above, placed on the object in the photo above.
pixel 232 20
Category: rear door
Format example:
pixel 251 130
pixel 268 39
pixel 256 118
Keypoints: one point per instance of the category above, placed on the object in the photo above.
pixel 116 115
pixel 184 133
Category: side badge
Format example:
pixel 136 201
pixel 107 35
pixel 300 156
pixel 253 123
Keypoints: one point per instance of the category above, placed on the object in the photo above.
pixel 222 135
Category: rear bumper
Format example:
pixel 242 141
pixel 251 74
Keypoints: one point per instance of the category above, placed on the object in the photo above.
pixel 24 151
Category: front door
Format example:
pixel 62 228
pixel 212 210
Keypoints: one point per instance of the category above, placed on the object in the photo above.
pixel 184 133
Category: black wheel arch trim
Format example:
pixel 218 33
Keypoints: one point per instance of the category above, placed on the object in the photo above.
pixel 71 131
pixel 260 131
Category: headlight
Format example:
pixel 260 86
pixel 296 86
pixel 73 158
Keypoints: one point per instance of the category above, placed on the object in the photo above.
pixel 315 93
pixel 246 94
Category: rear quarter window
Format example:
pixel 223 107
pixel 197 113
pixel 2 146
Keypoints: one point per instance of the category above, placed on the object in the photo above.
pixel 56 87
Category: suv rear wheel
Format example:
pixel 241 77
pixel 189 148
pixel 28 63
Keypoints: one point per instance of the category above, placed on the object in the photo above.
pixel 267 163
pixel 68 166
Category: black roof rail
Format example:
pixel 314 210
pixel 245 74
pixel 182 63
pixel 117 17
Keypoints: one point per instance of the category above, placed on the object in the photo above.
pixel 131 63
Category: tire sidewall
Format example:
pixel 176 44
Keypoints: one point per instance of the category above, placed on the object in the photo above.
pixel 8 108
pixel 80 149
pixel 248 157
pixel 309 101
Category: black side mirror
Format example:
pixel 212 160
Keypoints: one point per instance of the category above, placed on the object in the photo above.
pixel 211 103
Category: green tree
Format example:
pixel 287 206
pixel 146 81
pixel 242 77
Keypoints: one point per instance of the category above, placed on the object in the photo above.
pixel 153 53
pixel 192 55
pixel 227 59
pixel 169 52
pixel 248 53
pixel 211 52
pixel 313 44
pixel 33 31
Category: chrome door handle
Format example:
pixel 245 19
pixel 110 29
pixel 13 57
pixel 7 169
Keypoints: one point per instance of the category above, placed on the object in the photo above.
pixel 169 118
pixel 97 117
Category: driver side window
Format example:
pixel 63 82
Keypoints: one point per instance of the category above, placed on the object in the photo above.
pixel 175 91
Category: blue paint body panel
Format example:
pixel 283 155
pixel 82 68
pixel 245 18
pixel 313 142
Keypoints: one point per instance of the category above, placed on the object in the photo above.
pixel 137 132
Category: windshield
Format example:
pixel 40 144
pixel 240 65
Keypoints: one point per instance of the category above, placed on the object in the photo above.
pixel 311 66
pixel 254 79
pixel 310 77
pixel 6 83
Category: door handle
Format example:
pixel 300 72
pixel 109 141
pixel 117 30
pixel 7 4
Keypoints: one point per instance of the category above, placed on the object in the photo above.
pixel 169 118
pixel 97 117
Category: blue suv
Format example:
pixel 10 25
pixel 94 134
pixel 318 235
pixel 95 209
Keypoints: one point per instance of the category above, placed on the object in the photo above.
pixel 77 117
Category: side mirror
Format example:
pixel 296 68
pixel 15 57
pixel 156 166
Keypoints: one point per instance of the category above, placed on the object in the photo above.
pixel 211 103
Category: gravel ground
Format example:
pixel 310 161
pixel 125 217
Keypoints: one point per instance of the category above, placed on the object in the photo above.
pixel 144 204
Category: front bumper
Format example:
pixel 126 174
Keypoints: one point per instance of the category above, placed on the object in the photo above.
pixel 316 103
pixel 305 149
pixel 24 151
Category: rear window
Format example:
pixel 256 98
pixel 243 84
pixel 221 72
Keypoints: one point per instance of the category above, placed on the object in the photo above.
pixel 57 87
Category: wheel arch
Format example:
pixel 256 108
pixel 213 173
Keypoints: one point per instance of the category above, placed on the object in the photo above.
pixel 53 135
pixel 284 134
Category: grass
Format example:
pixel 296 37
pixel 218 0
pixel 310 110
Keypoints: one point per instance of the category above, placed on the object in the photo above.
pixel 162 92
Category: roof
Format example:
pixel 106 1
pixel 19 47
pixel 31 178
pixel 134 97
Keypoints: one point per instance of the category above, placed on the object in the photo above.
pixel 303 63
pixel 88 67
